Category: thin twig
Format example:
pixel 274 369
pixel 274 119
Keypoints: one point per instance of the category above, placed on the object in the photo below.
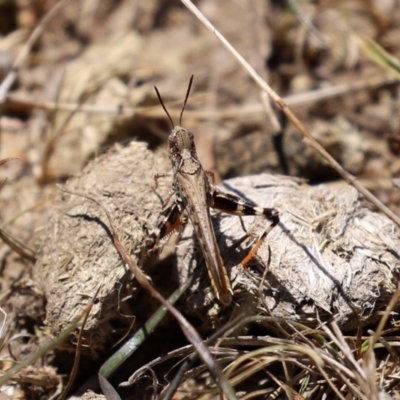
pixel 78 349
pixel 51 345
pixel 297 99
pixel 187 329
pixel 294 6
pixel 291 116
pixel 12 75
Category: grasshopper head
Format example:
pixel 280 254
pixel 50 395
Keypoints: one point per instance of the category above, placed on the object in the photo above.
pixel 181 143
pixel 181 139
pixel 182 150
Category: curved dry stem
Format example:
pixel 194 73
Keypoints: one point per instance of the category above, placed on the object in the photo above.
pixel 12 75
pixel 188 330
pixel 291 116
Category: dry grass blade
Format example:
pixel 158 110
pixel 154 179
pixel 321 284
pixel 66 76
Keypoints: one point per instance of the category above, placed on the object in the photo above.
pixel 118 358
pixel 378 55
pixel 20 248
pixel 53 344
pixel 294 6
pixel 3 323
pixel 16 245
pixel 225 330
pixel 291 116
pixel 12 75
pixel 220 114
pixel 290 393
pixel 344 362
pixel 335 363
pixel 77 353
pixel 385 317
pixel 370 360
pixel 339 89
pixel 186 327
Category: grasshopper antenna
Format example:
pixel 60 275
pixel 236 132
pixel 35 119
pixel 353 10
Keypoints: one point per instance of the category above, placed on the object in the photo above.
pixel 165 108
pixel 186 98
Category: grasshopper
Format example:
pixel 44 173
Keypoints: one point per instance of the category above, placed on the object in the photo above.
pixel 192 192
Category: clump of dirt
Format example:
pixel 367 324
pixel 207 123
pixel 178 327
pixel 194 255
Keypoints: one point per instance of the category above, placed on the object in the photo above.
pixel 324 235
pixel 77 256
pixel 320 261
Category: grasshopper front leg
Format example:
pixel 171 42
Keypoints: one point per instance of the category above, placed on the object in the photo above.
pixel 168 221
